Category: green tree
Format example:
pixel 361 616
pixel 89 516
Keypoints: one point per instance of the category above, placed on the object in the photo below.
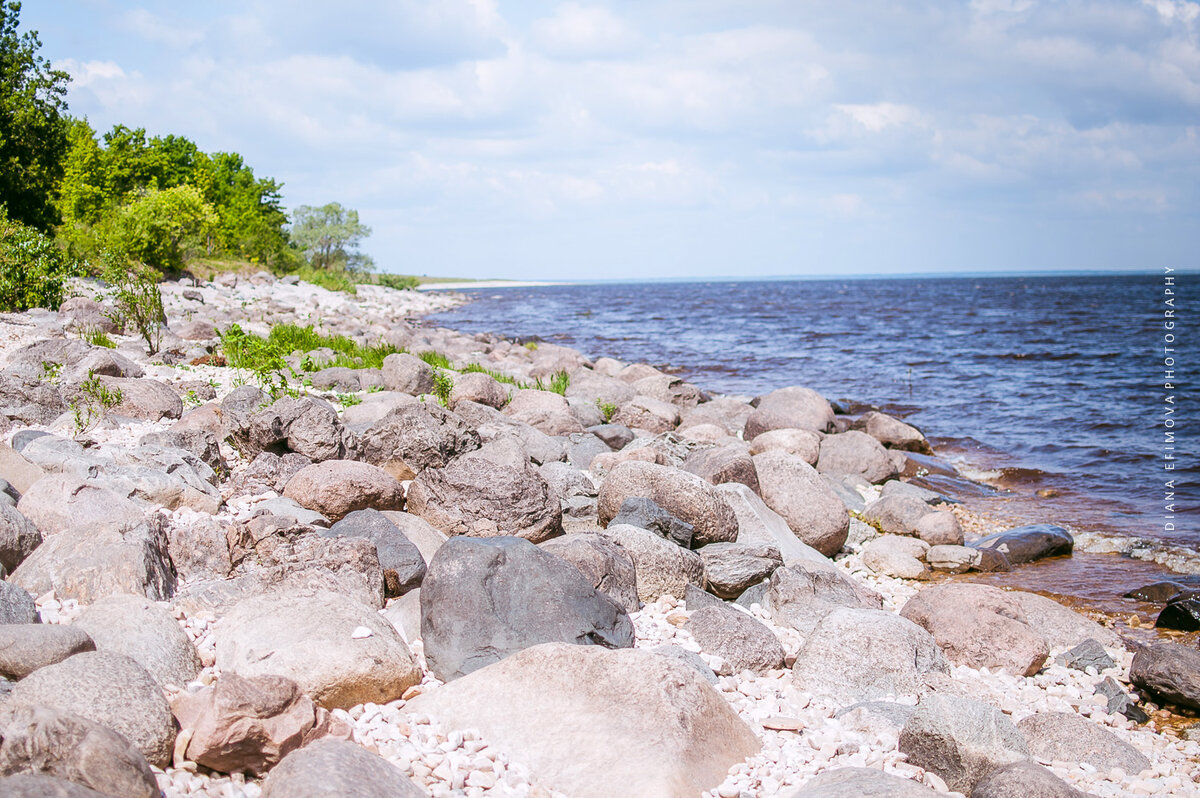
pixel 329 237
pixel 33 269
pixel 162 227
pixel 33 126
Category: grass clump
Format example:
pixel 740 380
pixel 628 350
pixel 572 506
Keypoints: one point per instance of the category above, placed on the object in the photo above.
pixel 495 375
pixel 289 338
pixel 607 410
pixel 93 401
pixel 437 360
pixel 559 382
pixel 443 384
pixel 97 337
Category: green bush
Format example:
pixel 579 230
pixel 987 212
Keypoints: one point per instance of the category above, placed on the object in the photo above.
pixel 136 297
pixel 443 384
pixel 607 410
pixel 33 270
pixel 400 282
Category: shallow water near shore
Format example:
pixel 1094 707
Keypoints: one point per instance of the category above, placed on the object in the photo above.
pixel 1049 388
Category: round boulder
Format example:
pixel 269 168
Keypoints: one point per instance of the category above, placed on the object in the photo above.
pixel 794 489
pixel 683 495
pixel 790 408
pixel 327 768
pixel 336 488
pixel 141 629
pixel 854 453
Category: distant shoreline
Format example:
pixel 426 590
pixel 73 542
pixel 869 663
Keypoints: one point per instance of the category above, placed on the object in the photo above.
pixel 485 284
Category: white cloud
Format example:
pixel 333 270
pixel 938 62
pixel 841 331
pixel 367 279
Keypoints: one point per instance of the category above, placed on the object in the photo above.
pixel 578 31
pixel 155 29
pixel 881 116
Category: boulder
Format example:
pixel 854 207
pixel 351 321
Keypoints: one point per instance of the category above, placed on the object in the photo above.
pixel 759 524
pixel 730 568
pixel 110 689
pixel 1157 592
pixel 939 529
pixel 794 489
pixel 328 768
pixel 615 436
pixel 15 469
pixel 1088 654
pixel 40 785
pixel 896 555
pixel 401 561
pixel 661 567
pixel 952 559
pixel 803 443
pixel 27 398
pixel 43 740
pixel 145 632
pixel 339 378
pixel 570 713
pixel 25 647
pixel 1182 614
pixel 790 408
pixel 492 425
pixel 590 386
pixel 800 595
pixel 81 314
pixel 304 425
pixel 544 411
pixel 893 433
pixel 980 626
pixel 244 724
pixel 960 740
pixel 608 566
pixel 728 414
pixel 1068 737
pixel 897 514
pixel 1062 626
pixel 18 537
pixel 652 415
pixel 62 502
pixel 90 562
pixel 479 498
pixel 483 600
pixel 407 374
pixel 723 464
pixel 336 488
pixel 339 651
pixel 423 535
pixel 1024 779
pixel 683 495
pixel 854 453
pixel 266 472
pixel 16 605
pixel 688 658
pixel 856 654
pixel 735 636
pixel 144 399
pixel 474 386
pixel 1168 671
pixel 1028 543
pixel 645 513
pixel 668 388
pixel 201 443
pixel 850 782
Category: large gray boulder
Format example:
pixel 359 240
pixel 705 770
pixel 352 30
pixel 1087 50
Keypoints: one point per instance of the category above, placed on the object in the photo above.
pixel 401 561
pixel 1068 737
pixel 570 713
pixel 1062 626
pixel 336 488
pixel 339 651
pixel 607 565
pixel 730 568
pixel 794 490
pixel 140 629
pixel 329 768
pixel 16 605
pixel 683 495
pixel 61 502
pixel 960 740
pixel 110 689
pixel 407 374
pixel 304 425
pixel 661 567
pixel 798 596
pixel 42 785
pixel 1168 671
pixel 483 600
pixel 804 443
pixel 790 408
pixel 25 647
pixel 854 453
pixel 474 386
pixel 414 437
pixel 43 740
pixel 852 782
pixel 144 399
pixel 735 636
pixel 896 555
pixel 544 411
pixel 980 626
pixel 479 498
pixel 90 562
pixel 855 655
pixel 645 412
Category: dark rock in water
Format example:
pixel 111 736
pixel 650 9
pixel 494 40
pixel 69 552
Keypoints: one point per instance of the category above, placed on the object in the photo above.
pixel 22 438
pixel 337 767
pixel 617 436
pixel 1087 654
pixel 1028 543
pixel 1159 592
pixel 646 514
pixel 1182 614
pixel 1119 701
pixel 1170 672
pixel 485 599
pixel 925 465
pixel 959 487
pixel 1025 779
pixel 401 561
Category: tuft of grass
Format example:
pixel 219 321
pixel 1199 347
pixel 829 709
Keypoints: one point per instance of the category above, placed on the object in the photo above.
pixel 607 410
pixel 443 384
pixel 437 360
pixel 531 346
pixel 400 282
pixel 349 399
pixel 289 338
pixel 495 375
pixel 97 337
pixel 560 381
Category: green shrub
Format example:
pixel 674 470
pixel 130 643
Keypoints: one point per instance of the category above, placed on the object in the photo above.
pixel 97 337
pixel 400 282
pixel 330 280
pixel 607 410
pixel 33 270
pixel 560 381
pixel 443 384
pixel 135 295
pixel 93 401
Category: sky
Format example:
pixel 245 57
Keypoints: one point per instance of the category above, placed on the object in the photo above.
pixel 682 138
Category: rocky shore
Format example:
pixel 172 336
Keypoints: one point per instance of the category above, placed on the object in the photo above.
pixel 495 568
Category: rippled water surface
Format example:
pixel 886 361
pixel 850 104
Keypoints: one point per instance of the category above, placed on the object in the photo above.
pixel 1037 383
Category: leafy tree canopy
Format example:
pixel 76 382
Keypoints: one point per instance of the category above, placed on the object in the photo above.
pixel 329 237
pixel 33 126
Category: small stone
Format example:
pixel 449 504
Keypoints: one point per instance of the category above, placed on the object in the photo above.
pixel 360 633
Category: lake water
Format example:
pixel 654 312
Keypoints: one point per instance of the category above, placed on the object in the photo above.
pixel 1034 384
